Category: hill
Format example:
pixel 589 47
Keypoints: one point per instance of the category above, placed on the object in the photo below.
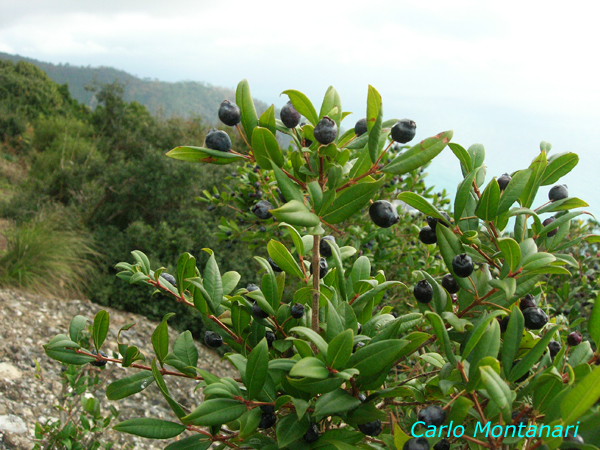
pixel 184 98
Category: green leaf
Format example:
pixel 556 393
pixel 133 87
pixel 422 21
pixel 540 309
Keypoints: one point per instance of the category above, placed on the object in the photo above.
pixel 463 193
pixel 511 251
pixel 538 165
pixel 289 429
pixel 314 337
pixel 335 402
pixel 562 205
pixel 419 203
pixel 186 268
pixel 374 119
pixel 185 349
pixel 463 156
pixel 296 214
pixel 442 334
pixel 215 412
pixel 213 283
pixel 296 238
pixel 229 281
pixel 533 356
pixel 284 259
pixel 257 369
pixel 488 203
pixel 418 155
pixel 512 339
pixel 310 367
pixel 515 188
pixel 340 350
pixel 498 391
pixel 203 155
pixel 331 100
pixel 537 260
pixel 375 358
pixel 160 339
pixel 151 428
pixel 266 148
pixel 303 105
pixel 243 98
pixel 594 323
pixel 129 385
pixel 61 348
pixel 558 166
pixel 351 201
pixel 267 120
pixel 581 398
pixel 78 324
pixel 289 189
pixel 100 328
pixel 160 382
pixel 478 333
pixel 195 442
pixel 142 261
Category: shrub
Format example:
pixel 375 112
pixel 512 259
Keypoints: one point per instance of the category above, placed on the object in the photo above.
pixel 346 374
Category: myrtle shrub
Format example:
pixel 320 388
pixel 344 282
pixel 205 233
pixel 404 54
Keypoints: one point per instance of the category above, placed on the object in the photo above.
pixel 473 362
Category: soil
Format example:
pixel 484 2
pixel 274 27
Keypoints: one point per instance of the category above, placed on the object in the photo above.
pixel 29 395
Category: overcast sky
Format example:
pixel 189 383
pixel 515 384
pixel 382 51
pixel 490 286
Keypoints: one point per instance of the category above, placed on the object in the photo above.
pixel 505 74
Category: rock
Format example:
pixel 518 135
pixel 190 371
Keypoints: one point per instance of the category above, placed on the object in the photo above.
pixel 12 424
pixel 9 372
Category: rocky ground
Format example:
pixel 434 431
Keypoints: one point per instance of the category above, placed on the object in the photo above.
pixel 28 395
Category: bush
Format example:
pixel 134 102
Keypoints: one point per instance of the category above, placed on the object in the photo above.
pixel 471 363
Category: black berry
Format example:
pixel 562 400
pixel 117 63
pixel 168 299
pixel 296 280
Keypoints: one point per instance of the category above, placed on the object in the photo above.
pixel 504 323
pixel 361 127
pixel 261 210
pixel 450 284
pixel 358 345
pixel 371 428
pixel 258 312
pixel 362 397
pixel 404 131
pixel 323 268
pixel 558 192
pixel 297 310
pixel 432 221
pixel 547 222
pixel 359 328
pixel 416 444
pixel 574 338
pixel 423 291
pixel 267 421
pixel 212 339
pixel 274 266
pixel 554 348
pixel 289 116
pixel 312 435
pixel 383 214
pixel 267 409
pixel 503 181
pixel 218 140
pixel 523 420
pixel 270 336
pixel 427 235
pixel 524 377
pixel 535 318
pixel 442 445
pixel 229 113
pixel 527 302
pixel 99 363
pixel 168 277
pixel 432 415
pixel 324 248
pixel 326 131
pixel 252 287
pixel 462 265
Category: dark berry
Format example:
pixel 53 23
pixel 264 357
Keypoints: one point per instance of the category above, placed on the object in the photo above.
pixel 267 409
pixel 361 127
pixel 404 131
pixel 258 312
pixel 324 248
pixel 432 221
pixel 535 318
pixel 99 363
pixel 416 444
pixel 359 344
pixel 312 435
pixel 229 113
pixel 252 287
pixel 432 415
pixel 504 323
pixel 267 421
pixel 573 437
pixel 558 192
pixel 527 302
pixel 297 310
pixel 326 131
pixel 503 181
pixel 289 116
pixel 270 336
pixel 261 210
pixel 359 328
pixel 168 277
pixel 212 339
pixel 274 266
pixel 362 397
pixel 554 348
pixel 371 428
pixel 523 420
pixel 574 338
pixel 462 265
pixel 323 268
pixel 427 235
pixel 524 377
pixel 442 445
pixel 262 229
pixel 547 222
pixel 450 284
pixel 218 140
pixel 383 214
pixel 394 313
pixel 211 207
pixel 423 291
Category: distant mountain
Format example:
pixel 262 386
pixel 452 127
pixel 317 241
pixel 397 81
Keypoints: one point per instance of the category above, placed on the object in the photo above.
pixel 184 98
